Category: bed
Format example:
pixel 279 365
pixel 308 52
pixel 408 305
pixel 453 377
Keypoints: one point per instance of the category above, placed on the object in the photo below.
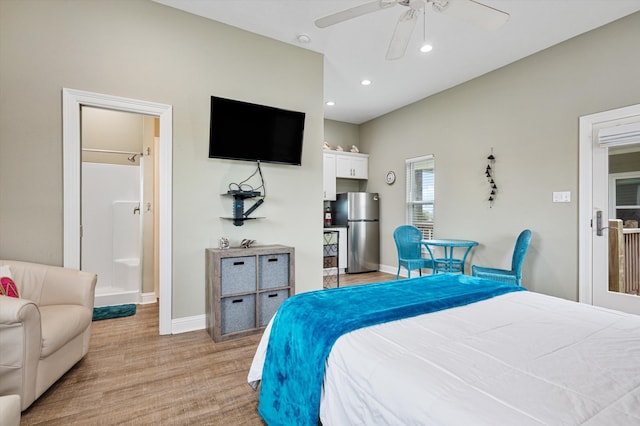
pixel 495 356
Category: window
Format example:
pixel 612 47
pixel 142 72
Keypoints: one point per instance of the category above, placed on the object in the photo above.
pixel 421 194
pixel 625 196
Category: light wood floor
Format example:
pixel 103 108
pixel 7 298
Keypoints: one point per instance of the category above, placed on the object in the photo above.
pixel 133 376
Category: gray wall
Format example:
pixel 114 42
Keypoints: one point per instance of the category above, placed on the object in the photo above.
pixel 143 50
pixel 528 112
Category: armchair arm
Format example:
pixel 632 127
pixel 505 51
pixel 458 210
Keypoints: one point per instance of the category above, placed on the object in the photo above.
pixel 20 343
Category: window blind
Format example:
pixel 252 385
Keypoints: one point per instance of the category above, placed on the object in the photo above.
pixel 421 194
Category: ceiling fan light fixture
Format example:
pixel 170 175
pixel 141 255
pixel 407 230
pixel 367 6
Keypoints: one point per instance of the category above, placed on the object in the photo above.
pixel 330 103
pixel 365 82
pixel 426 48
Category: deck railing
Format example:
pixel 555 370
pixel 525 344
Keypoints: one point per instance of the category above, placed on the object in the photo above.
pixel 631 260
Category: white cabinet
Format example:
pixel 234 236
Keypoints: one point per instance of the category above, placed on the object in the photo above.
pixel 329 176
pixel 352 165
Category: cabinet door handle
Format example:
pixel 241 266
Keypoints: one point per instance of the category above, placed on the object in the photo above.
pixel 237 300
pixel 238 263
pixel 273 260
pixel 273 295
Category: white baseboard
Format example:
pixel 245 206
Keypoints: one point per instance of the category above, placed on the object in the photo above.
pixel 146 298
pixel 199 322
pixel 186 324
pixel 393 270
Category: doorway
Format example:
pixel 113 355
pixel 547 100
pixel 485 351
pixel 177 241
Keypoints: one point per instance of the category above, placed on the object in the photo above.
pixel 601 239
pixel 117 204
pixel 73 101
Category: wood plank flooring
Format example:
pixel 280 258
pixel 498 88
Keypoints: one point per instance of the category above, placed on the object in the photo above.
pixel 133 376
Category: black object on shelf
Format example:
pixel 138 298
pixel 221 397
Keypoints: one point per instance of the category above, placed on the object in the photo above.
pixel 239 215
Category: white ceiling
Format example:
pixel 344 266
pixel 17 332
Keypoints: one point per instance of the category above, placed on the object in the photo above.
pixel 356 49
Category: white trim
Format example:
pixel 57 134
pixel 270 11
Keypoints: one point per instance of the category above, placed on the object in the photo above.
pixel 147 298
pixel 586 213
pixel 72 100
pixel 186 324
pixel 613 197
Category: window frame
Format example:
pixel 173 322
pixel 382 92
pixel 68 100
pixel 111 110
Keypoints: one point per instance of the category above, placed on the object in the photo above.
pixel 426 227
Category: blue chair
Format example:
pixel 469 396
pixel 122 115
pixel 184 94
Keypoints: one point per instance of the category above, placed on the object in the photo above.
pixel 514 275
pixel 407 238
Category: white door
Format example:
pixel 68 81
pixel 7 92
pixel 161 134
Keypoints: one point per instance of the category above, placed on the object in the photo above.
pixel 595 202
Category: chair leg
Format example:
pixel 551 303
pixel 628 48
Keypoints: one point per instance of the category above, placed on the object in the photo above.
pixel 398 273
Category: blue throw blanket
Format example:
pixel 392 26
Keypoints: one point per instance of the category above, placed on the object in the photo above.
pixel 307 325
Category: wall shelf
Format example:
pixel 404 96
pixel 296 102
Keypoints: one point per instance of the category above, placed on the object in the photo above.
pixel 239 214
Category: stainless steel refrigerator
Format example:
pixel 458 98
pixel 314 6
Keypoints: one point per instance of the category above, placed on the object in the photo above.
pixel 360 213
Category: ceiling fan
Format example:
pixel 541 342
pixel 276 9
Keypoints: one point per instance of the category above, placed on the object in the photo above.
pixel 467 10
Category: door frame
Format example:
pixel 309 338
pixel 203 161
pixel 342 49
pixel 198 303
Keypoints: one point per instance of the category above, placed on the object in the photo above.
pixel 72 101
pixel 586 213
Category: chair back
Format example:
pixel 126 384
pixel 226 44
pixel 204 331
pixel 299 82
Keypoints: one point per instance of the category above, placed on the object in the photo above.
pixel 522 244
pixel 407 238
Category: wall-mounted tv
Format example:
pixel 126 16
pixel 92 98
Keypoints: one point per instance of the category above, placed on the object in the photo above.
pixel 245 131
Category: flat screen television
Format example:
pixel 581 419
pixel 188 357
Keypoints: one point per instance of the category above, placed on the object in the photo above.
pixel 245 131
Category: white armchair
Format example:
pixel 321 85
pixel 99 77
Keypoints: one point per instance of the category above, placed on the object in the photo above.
pixel 46 331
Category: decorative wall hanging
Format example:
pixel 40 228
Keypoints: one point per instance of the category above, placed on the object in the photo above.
pixel 489 172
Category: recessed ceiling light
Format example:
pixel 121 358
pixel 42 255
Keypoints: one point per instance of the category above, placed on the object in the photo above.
pixel 426 48
pixel 330 103
pixel 365 82
pixel 303 38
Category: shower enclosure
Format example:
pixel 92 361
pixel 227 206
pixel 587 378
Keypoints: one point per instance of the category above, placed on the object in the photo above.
pixel 112 230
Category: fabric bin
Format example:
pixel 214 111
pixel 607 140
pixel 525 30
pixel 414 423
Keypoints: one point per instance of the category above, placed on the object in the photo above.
pixel 238 313
pixel 270 301
pixel 274 271
pixel 237 275
pixel 330 250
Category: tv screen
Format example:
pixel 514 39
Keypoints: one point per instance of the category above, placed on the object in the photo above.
pixel 251 132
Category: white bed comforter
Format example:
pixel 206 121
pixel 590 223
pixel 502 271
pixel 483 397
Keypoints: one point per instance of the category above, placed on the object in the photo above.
pixel 517 359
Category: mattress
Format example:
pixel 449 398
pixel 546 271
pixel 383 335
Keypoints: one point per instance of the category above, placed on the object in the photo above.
pixel 520 358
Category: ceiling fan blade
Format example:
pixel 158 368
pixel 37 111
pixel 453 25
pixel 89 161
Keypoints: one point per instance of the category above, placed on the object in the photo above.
pixel 402 34
pixel 472 12
pixel 354 12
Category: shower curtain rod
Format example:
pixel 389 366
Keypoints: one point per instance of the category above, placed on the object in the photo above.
pixel 110 151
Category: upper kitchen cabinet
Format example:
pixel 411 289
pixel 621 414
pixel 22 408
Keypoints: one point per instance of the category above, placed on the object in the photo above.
pixel 329 175
pixel 351 165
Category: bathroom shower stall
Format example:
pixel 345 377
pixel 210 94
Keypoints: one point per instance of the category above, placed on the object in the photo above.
pixel 112 230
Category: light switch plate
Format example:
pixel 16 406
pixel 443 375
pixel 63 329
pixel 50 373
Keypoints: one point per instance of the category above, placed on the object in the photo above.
pixel 562 196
